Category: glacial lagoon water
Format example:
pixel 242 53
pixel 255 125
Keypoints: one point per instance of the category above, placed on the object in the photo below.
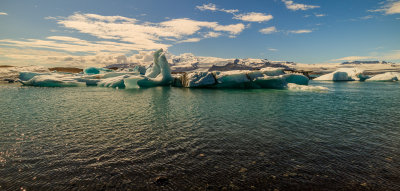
pixel 91 138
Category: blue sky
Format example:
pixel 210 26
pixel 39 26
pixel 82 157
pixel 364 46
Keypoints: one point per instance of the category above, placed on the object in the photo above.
pixel 306 31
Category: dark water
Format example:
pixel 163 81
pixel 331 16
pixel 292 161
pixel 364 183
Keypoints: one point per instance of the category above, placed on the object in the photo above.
pixel 197 139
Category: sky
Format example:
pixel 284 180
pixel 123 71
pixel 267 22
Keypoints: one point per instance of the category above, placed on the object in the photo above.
pixel 90 32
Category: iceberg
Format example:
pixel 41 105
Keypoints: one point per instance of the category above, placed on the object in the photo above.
pixel 232 79
pixel 296 87
pixel 197 79
pixel 344 74
pixel 94 70
pixel 157 75
pixel 113 82
pixel 54 80
pixel 386 77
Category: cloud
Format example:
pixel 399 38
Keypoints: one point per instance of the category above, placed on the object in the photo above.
pixel 248 17
pixel 210 7
pixel 354 58
pixel 389 8
pixel 272 49
pixel 320 15
pixel 268 30
pixel 190 40
pixel 143 35
pixel 300 31
pixel 296 6
pixel 3 13
pixel 253 17
pixel 213 7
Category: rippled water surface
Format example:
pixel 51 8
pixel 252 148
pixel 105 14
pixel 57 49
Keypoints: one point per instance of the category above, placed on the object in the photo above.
pixel 347 138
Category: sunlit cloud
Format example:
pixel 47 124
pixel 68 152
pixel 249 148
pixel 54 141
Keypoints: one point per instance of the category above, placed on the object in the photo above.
pixel 389 8
pixel 248 17
pixel 297 6
pixel 269 30
pixel 253 17
pixel 300 31
pixel 320 15
pixel 3 13
pixel 213 7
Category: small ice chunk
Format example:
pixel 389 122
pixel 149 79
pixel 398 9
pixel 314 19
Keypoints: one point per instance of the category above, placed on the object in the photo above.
pixel 292 86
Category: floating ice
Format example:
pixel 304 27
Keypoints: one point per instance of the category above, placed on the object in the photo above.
pixel 197 79
pixel 113 82
pixel 54 80
pixel 94 70
pixel 232 79
pixel 157 75
pixel 292 86
pixel 386 77
pixel 344 74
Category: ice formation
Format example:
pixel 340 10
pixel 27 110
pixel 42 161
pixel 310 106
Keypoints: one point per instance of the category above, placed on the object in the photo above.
pixel 344 74
pixel 159 74
pixel 296 87
pixel 54 80
pixel 386 77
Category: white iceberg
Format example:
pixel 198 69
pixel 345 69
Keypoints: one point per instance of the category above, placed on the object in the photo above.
pixel 232 79
pixel 344 74
pixel 386 77
pixel 197 79
pixel 54 80
pixel 157 75
pixel 296 87
pixel 113 82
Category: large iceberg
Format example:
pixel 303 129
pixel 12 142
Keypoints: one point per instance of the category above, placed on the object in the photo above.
pixel 344 74
pixel 386 77
pixel 54 80
pixel 157 75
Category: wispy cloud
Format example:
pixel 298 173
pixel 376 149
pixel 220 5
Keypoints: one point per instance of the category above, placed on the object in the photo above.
pixel 297 6
pixel 354 58
pixel 268 30
pixel 248 17
pixel 320 15
pixel 300 31
pixel 213 7
pixel 389 8
pixel 253 17
pixel 393 55
pixel 272 49
pixel 3 13
pixel 144 35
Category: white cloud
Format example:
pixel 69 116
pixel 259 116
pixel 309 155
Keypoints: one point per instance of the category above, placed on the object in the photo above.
pixel 213 7
pixel 367 17
pixel 272 49
pixel 354 58
pixel 190 40
pixel 253 17
pixel 210 7
pixel 389 8
pixel 3 13
pixel 143 35
pixel 212 35
pixel 320 15
pixel 300 31
pixel 297 6
pixel 249 17
pixel 268 30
